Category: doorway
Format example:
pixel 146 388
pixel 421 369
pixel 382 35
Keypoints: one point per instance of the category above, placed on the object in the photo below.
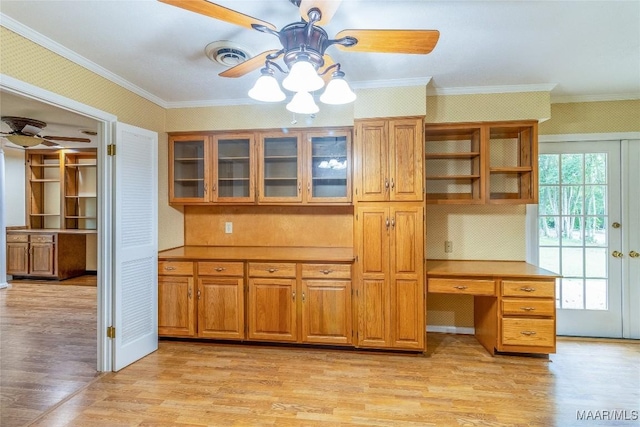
pixel 586 228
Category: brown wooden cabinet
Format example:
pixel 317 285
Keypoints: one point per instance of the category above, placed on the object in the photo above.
pixel 221 300
pixel 55 255
pixel 391 303
pixel 389 159
pixel 477 163
pixel 176 294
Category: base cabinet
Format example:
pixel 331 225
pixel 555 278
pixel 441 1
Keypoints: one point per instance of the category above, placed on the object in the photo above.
pixel 51 255
pixel 391 303
pixel 221 300
pixel 176 307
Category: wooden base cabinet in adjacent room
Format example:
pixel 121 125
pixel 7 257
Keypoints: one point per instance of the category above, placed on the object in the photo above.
pixel 391 295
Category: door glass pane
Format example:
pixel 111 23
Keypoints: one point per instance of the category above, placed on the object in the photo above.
pixel 329 166
pixel 573 218
pixel 281 167
pixel 234 171
pixel 188 169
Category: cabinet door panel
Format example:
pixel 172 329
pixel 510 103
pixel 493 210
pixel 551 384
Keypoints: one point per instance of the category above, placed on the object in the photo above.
pixel 280 168
pixel 328 167
pixel 221 308
pixel 407 240
pixel 406 153
pixel 408 306
pixel 18 258
pixel 234 170
pixel 373 252
pixel 189 169
pixel 326 311
pixel 272 309
pixel 371 158
pixel 176 306
pixel 373 330
pixel 42 259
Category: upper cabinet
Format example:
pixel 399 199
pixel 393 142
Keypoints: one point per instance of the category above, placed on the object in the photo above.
pixel 389 159
pixel 477 163
pixel 266 167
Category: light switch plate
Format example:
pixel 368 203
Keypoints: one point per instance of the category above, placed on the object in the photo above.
pixel 228 227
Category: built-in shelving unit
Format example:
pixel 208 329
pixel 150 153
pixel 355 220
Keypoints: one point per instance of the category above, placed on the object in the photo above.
pixel 80 197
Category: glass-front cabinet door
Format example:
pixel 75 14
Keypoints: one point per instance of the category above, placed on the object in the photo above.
pixel 235 169
pixel 328 167
pixel 189 169
pixel 280 168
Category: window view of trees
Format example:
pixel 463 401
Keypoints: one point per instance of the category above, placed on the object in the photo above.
pixel 573 226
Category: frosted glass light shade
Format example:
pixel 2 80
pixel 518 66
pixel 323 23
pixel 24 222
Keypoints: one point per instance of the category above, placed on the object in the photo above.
pixel 303 103
pixel 302 78
pixel 338 92
pixel 267 89
pixel 24 140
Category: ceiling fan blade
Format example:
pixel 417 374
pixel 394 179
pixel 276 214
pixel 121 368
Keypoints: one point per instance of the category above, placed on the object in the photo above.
pixel 248 65
pixel 391 41
pixel 49 143
pixel 216 11
pixel 66 138
pixel 328 8
pixel 31 130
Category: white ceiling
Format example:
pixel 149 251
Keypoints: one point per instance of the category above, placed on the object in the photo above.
pixel 585 50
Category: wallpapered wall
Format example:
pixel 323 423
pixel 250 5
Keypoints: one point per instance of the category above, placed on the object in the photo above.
pixel 470 228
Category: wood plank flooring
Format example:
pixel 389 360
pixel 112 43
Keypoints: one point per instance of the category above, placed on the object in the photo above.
pixel 207 384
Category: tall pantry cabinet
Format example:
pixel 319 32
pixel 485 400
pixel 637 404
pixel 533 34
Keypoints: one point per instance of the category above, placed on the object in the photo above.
pixel 390 233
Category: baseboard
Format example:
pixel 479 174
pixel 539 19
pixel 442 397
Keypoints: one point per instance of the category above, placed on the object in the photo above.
pixel 451 329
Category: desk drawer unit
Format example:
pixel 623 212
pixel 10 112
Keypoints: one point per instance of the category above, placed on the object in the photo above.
pixel 18 238
pixel 517 288
pixel 216 268
pixel 528 307
pixel 326 271
pixel 528 332
pixel 462 286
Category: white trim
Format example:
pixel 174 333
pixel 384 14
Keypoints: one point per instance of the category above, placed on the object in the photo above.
pixel 451 329
pixel 105 241
pixel 55 47
pixel 532 239
pixel 373 84
pixel 474 90
pixel 568 99
pixel 583 137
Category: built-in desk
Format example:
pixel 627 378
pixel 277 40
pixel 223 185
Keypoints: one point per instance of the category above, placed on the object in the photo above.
pixel 514 302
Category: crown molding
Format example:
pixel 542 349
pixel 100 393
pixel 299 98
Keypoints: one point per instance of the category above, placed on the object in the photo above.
pixel 475 90
pixel 374 84
pixel 213 103
pixel 566 99
pixel 28 33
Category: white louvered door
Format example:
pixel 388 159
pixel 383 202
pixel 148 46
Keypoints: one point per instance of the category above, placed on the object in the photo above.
pixel 135 286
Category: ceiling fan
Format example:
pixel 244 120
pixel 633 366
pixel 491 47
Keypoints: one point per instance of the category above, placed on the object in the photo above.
pixel 303 51
pixel 25 133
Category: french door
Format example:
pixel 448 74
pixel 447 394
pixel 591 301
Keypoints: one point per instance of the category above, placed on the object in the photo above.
pixel 580 232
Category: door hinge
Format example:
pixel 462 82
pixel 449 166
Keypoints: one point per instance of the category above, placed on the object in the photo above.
pixel 111 332
pixel 111 150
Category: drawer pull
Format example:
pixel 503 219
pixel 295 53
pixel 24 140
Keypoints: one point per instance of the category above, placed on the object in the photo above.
pixel 326 271
pixel 527 289
pixel 219 269
pixel 272 270
pixel 527 308
pixel 528 333
pixel 169 268
pixel 460 287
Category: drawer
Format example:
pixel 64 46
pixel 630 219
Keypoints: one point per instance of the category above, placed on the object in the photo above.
pixel 272 269
pixel 530 332
pixel 529 288
pixel 18 238
pixel 41 238
pixel 326 271
pixel 215 268
pixel 528 307
pixel 177 268
pixel 461 286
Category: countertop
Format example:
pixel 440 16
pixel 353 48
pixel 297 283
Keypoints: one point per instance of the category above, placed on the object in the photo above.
pixel 260 253
pixel 451 268
pixel 49 231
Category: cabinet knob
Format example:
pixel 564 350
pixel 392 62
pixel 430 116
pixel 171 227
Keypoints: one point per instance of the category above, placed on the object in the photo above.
pixel 293 295
pixel 189 293
pixel 528 333
pixel 303 297
pixel 326 271
pixel 460 287
pixel 386 183
pixel 272 270
pixel 219 269
pixel 169 268
pixel 527 289
pixel 387 223
pixel 393 184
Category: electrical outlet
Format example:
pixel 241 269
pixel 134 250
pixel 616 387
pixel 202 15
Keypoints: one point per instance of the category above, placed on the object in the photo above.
pixel 448 246
pixel 228 227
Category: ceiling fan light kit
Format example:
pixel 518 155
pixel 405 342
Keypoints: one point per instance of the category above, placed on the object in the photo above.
pixel 303 51
pixel 24 133
pixel 24 141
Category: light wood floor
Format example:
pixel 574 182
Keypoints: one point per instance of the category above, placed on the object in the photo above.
pixel 205 384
